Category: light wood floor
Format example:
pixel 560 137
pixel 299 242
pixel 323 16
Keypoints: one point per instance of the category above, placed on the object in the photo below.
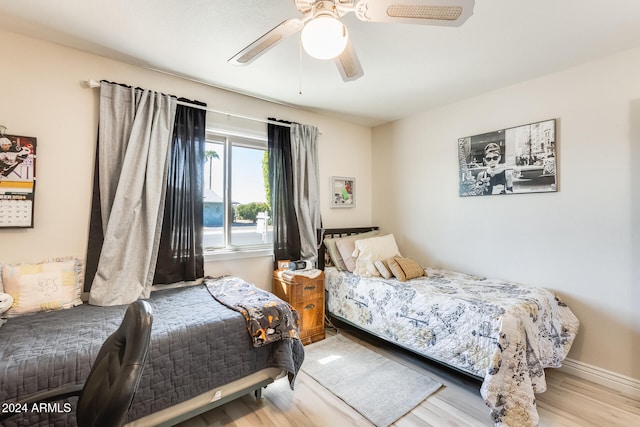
pixel 568 401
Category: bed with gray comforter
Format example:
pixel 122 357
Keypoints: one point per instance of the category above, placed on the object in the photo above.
pixel 197 344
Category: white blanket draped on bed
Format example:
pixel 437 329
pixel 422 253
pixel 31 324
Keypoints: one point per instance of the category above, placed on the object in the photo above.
pixel 496 330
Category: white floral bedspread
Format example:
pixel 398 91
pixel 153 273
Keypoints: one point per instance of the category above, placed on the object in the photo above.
pixel 503 332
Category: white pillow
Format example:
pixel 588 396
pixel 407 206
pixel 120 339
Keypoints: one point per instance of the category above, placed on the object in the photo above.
pixel 368 251
pixel 49 285
pixel 6 301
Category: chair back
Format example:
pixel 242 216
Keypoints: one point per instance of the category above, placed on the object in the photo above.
pixel 108 392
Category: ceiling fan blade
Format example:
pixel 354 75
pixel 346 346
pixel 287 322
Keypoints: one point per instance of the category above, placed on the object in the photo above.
pixel 349 64
pixel 451 13
pixel 267 41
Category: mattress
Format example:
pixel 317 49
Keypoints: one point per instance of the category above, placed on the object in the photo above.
pixel 197 344
pixel 501 332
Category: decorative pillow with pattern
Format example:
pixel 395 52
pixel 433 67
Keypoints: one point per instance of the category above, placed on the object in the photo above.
pixel 49 285
pixel 405 268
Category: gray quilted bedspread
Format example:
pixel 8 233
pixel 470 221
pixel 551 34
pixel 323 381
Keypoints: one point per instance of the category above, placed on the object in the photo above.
pixel 197 344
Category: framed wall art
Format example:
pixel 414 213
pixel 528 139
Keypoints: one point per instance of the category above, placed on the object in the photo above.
pixel 17 180
pixel 516 160
pixel 343 192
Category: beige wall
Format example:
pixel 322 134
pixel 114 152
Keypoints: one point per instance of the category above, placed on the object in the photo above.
pixel 42 95
pixel 583 241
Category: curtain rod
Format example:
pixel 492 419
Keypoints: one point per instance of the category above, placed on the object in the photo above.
pixel 95 84
pixel 239 116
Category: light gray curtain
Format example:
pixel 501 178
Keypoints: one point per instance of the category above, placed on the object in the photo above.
pixel 304 156
pixel 135 131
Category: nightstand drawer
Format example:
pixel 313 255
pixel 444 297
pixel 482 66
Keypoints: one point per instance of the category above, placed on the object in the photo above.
pixel 300 289
pixel 311 315
pixel 308 289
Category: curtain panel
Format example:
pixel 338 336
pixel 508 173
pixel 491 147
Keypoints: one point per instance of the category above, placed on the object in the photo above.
pixel 286 236
pixel 180 255
pixel 134 133
pixel 304 156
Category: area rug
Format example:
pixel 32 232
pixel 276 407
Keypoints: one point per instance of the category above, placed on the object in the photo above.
pixel 379 388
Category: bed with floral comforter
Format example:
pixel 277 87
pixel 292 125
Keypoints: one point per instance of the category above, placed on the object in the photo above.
pixel 500 332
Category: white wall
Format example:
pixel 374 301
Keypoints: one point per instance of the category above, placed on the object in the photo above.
pixel 42 95
pixel 583 241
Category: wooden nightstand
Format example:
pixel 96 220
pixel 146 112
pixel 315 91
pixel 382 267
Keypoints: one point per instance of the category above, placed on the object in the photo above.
pixel 306 296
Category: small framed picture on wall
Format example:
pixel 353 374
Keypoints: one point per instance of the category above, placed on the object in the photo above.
pixel 343 192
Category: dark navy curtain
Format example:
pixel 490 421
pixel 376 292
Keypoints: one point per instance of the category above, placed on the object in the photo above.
pixel 286 235
pixel 180 256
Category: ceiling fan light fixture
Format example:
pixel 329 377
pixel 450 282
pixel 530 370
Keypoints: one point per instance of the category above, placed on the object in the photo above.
pixel 324 37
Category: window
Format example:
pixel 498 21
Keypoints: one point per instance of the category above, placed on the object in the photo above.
pixel 237 211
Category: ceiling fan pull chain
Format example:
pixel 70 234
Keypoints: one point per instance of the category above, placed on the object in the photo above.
pixel 300 68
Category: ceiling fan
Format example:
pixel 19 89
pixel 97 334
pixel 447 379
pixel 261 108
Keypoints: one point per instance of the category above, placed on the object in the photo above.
pixel 324 36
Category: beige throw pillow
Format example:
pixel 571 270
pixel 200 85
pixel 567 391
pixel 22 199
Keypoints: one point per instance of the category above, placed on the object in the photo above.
pixel 346 248
pixel 405 268
pixel 383 268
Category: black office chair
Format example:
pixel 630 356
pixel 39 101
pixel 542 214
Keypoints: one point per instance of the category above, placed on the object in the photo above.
pixel 105 397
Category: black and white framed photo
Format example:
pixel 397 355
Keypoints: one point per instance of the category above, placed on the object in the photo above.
pixel 343 192
pixel 516 160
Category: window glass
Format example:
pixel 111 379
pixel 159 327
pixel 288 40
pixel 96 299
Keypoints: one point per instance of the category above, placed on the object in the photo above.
pixel 252 213
pixel 214 203
pixel 237 213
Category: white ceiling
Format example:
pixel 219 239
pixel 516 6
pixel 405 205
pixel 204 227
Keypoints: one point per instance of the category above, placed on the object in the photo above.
pixel 408 68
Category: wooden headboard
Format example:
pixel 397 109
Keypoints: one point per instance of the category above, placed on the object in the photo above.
pixel 322 233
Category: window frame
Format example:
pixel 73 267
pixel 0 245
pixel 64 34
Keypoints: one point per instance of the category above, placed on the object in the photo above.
pixel 229 139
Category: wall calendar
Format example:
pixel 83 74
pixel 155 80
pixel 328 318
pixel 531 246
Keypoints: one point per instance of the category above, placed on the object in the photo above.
pixel 17 180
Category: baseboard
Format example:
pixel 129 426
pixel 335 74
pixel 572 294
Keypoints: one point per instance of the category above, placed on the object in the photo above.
pixel 626 385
